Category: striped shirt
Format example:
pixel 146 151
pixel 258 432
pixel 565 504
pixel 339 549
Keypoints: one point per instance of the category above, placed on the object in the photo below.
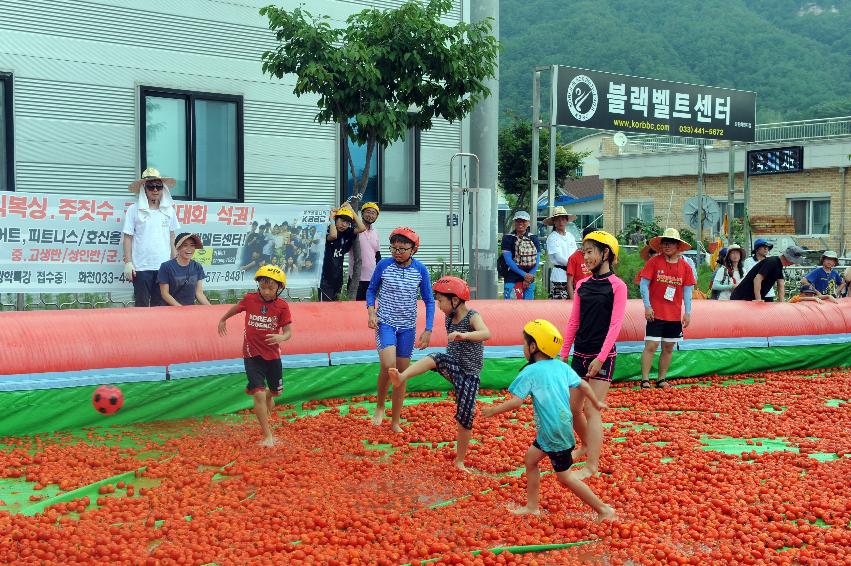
pixel 396 287
pixel 468 355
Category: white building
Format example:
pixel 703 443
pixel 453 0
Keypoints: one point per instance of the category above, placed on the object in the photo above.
pixel 93 92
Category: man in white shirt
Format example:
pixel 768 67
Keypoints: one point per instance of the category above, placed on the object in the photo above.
pixel 560 246
pixel 149 228
pixel 369 248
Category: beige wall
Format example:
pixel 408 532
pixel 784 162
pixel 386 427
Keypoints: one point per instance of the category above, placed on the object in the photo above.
pixel 769 196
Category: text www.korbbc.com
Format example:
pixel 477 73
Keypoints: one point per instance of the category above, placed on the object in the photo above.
pixel 642 125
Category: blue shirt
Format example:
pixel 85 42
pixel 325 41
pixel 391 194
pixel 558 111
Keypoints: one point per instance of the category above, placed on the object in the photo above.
pixel 181 280
pixel 824 282
pixel 549 383
pixel 396 288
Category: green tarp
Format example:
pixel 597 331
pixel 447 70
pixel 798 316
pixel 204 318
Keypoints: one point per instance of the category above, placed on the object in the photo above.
pixel 28 412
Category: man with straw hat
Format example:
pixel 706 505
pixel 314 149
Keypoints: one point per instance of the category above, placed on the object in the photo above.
pixel 149 228
pixel 667 282
pixel 560 246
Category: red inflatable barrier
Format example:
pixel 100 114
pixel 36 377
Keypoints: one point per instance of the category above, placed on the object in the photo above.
pixel 46 341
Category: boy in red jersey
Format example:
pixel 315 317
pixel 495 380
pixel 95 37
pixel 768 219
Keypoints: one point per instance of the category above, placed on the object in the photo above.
pixel 267 324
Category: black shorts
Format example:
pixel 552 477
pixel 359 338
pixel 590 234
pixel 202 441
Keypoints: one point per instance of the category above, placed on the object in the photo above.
pixel 362 287
pixel 466 388
pixel 664 331
pixel 561 460
pixel 580 362
pixel 262 372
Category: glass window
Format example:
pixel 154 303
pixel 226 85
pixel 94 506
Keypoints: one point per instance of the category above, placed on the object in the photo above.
pixel 393 173
pixel 197 139
pixel 399 164
pixel 165 139
pixel 647 211
pixel 6 159
pixel 630 213
pixel 799 210
pixel 216 153
pixel 820 217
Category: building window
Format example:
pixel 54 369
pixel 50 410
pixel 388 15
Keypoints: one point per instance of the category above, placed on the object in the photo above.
pixel 7 156
pixel 738 212
pixel 195 138
pixel 394 172
pixel 632 210
pixel 811 216
pixel 589 221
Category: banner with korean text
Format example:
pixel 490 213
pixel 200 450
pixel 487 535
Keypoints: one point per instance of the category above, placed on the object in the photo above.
pixel 51 243
pixel 608 101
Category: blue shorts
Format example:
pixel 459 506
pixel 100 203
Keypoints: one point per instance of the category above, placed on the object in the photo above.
pixel 401 338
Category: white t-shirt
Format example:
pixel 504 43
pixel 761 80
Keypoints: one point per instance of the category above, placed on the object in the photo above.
pixel 559 250
pixel 748 264
pixel 151 239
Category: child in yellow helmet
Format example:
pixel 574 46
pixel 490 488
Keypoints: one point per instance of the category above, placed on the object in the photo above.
pixel 549 381
pixel 342 231
pixel 267 325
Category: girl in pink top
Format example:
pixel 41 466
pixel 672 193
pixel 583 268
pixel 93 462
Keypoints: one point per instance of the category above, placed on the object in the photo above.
pixel 595 322
pixel 369 248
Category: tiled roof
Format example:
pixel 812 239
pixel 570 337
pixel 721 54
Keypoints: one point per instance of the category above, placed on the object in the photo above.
pixel 584 187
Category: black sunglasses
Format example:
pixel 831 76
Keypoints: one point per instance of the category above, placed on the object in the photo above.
pixel 153 187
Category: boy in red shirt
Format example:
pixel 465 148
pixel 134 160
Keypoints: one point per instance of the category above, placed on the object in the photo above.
pixel 576 268
pixel 667 282
pixel 267 324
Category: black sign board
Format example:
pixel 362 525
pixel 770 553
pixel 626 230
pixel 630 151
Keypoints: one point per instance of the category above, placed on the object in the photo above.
pixel 608 101
pixel 776 160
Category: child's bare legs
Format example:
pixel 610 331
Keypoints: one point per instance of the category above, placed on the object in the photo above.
pixel 533 482
pixel 647 359
pixel 580 426
pixel 583 492
pixel 387 359
pixel 418 368
pixel 462 444
pixel 593 438
pixel 262 400
pixel 398 397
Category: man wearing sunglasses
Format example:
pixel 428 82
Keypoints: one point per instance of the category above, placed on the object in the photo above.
pixel 149 228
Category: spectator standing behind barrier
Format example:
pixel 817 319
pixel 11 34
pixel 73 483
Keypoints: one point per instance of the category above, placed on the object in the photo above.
pixel 667 282
pixel 369 248
pixel 521 252
pixel 760 280
pixel 560 247
pixel 761 248
pixel 729 275
pixel 338 242
pixel 824 279
pixel 149 228
pixel 181 279
pixel 576 268
pixel 845 289
pixel 719 266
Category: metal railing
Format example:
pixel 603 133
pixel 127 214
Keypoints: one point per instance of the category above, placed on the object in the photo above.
pixel 800 130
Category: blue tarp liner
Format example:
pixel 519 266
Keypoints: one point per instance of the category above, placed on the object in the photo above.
pixel 809 340
pixel 61 379
pixel 722 343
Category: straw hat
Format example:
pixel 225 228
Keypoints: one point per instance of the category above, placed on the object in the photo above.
pixel 150 174
pixel 558 211
pixel 669 234
pixel 645 252
pixel 196 239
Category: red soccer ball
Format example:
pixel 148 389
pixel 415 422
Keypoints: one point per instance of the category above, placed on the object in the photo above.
pixel 107 399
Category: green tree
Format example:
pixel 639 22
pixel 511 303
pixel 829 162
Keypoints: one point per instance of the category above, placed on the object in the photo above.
pixel 515 162
pixel 383 73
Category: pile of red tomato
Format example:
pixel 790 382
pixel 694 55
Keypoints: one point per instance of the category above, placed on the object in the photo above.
pixel 337 490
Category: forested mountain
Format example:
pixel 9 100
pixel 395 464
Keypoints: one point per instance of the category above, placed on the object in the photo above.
pixel 795 54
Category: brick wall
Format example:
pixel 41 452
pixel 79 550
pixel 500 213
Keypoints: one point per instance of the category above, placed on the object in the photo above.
pixel 768 196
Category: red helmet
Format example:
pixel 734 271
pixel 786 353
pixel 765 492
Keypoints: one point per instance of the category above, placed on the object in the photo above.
pixel 448 285
pixel 408 233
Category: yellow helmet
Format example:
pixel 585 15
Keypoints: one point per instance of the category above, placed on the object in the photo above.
pixel 546 336
pixel 273 272
pixel 370 205
pixel 604 238
pixel 345 212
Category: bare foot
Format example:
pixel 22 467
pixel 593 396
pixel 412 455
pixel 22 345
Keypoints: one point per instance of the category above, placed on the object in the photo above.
pixel 395 427
pixel 579 453
pixel 460 466
pixel 582 473
pixel 393 373
pixel 525 510
pixel 607 514
pixel 378 416
pixel 268 442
